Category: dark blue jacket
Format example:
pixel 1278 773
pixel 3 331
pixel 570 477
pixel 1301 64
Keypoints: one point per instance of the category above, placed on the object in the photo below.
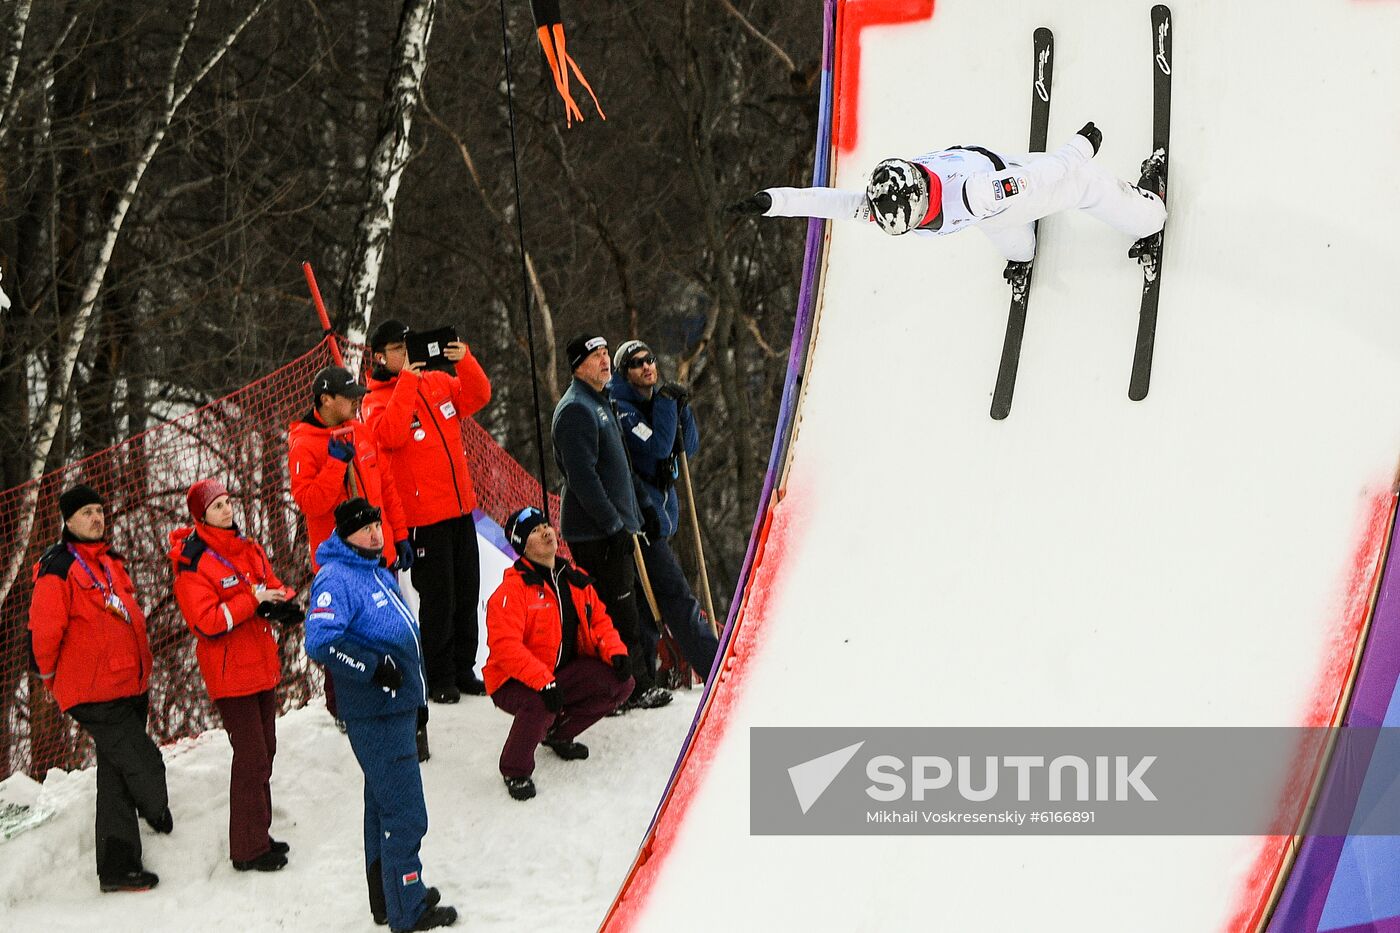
pixel 601 494
pixel 649 427
pixel 355 619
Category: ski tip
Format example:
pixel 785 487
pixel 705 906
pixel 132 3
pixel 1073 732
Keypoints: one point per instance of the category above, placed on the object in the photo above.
pixel 999 411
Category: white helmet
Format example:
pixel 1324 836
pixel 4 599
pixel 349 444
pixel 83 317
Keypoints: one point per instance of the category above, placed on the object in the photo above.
pixel 898 195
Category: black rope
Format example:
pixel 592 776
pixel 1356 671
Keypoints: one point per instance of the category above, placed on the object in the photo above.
pixel 524 271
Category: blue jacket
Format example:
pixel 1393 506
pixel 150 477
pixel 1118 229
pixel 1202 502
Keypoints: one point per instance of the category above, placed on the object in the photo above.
pixel 355 619
pixel 649 426
pixel 601 494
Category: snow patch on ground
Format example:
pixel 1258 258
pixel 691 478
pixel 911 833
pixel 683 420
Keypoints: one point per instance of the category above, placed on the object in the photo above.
pixel 552 863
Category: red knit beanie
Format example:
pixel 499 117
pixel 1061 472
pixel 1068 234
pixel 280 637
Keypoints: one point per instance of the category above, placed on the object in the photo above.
pixel 201 495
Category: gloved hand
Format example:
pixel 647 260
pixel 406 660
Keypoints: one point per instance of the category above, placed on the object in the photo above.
pixel 620 542
pixel 753 204
pixel 651 524
pixel 405 552
pixel 553 697
pixel 287 613
pixel 341 448
pixel 1092 133
pixel 387 674
pixel 676 392
pixel 621 667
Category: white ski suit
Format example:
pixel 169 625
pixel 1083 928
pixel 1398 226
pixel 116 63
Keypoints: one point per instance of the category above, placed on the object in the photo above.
pixel 1001 195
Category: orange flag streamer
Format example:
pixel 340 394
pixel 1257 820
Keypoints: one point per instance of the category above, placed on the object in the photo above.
pixel 549 28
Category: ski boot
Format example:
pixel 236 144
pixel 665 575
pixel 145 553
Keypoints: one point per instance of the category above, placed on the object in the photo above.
pixel 1154 174
pixel 1018 276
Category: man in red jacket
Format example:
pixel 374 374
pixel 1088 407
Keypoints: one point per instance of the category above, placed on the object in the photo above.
pixel 332 457
pixel 556 663
pixel 90 650
pixel 228 593
pixel 416 417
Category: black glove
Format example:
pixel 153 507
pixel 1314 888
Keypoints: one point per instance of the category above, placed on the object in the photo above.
pixel 651 524
pixel 676 392
pixel 405 551
pixel 753 204
pixel 553 697
pixel 1091 133
pixel 287 613
pixel 620 542
pixel 622 667
pixel 341 448
pixel 388 675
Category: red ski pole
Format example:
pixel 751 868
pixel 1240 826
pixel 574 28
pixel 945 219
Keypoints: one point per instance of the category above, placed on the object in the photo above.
pixel 321 312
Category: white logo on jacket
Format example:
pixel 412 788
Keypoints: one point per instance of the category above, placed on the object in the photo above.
pixel 323 600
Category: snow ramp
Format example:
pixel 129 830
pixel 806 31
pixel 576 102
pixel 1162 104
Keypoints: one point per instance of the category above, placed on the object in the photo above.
pixel 1207 556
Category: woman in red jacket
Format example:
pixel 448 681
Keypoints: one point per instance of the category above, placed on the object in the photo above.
pixel 88 639
pixel 228 593
pixel 556 663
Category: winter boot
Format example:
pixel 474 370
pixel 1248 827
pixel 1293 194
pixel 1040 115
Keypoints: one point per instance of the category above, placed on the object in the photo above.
pixel 268 861
pixel 281 848
pixel 138 880
pixel 431 919
pixel 520 788
pixel 565 749
pixel 650 698
pixel 431 899
pixel 445 693
pixel 470 686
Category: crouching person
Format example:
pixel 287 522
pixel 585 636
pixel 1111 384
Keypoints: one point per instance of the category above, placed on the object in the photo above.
pixel 359 627
pixel 556 663
pixel 228 594
pixel 90 650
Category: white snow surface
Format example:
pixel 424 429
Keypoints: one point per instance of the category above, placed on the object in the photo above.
pixel 551 863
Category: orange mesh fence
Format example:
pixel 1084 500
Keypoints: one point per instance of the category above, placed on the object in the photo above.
pixel 240 439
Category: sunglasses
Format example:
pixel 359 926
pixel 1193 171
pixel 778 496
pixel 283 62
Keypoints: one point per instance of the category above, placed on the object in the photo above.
pixel 637 362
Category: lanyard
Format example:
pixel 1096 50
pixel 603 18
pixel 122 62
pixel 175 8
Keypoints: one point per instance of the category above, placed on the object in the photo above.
pixel 110 599
pixel 236 572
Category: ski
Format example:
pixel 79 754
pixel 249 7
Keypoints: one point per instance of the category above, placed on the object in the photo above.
pixel 1152 260
pixel 1044 66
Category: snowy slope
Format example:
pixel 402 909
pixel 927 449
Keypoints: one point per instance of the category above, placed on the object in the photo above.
pixel 1090 561
pixel 546 864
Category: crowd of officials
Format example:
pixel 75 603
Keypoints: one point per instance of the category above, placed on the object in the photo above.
pixel 380 475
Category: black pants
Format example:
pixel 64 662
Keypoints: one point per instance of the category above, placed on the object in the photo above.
pixel 679 609
pixel 447 575
pixel 130 778
pixel 615 573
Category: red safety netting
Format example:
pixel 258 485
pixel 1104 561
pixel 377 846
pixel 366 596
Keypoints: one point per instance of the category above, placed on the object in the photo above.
pixel 240 439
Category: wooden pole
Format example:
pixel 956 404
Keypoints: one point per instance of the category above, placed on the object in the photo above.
pixel 699 548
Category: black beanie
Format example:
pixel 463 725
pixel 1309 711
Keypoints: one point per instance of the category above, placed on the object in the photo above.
pixel 519 526
pixel 354 514
pixel 577 350
pixel 77 497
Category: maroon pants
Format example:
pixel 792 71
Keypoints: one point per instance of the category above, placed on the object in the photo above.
pixel 251 722
pixel 590 691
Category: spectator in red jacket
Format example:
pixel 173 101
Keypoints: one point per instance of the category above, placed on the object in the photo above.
pixel 228 594
pixel 556 663
pixel 333 457
pixel 88 637
pixel 416 417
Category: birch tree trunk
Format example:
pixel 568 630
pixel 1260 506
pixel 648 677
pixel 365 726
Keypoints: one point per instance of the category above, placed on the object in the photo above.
pixel 61 375
pixel 401 95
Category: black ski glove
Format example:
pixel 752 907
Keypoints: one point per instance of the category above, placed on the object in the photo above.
pixel 620 542
pixel 753 204
pixel 283 613
pixel 676 392
pixel 553 697
pixel 621 667
pixel 388 675
pixel 651 524
pixel 1091 133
